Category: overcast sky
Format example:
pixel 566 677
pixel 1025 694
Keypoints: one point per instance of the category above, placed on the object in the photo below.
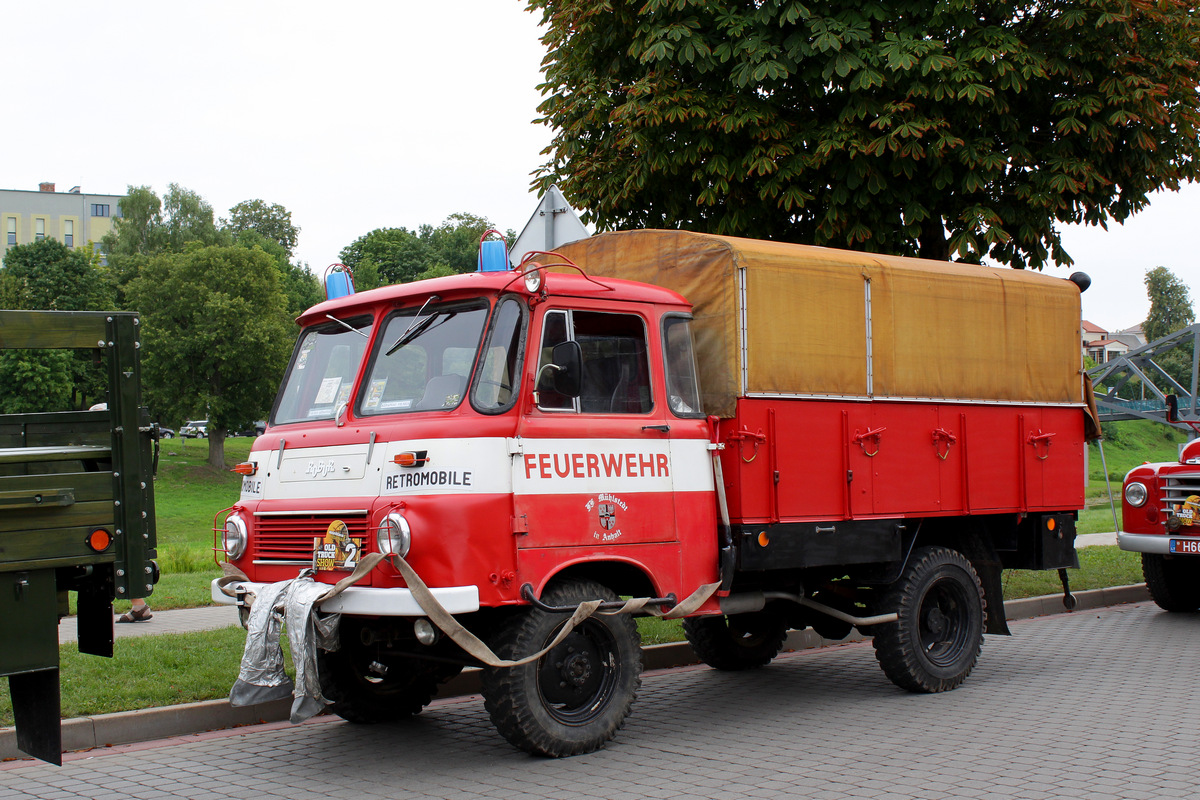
pixel 356 115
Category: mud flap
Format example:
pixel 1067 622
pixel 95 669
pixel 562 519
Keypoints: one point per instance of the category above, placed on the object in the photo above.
pixel 36 710
pixel 980 551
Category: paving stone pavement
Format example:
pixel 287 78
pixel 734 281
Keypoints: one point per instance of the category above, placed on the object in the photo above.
pixel 1095 705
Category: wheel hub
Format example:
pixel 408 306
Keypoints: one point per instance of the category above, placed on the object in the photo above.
pixel 573 672
pixel 935 622
pixel 576 669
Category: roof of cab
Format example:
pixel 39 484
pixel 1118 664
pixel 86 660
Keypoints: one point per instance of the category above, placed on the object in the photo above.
pixel 473 284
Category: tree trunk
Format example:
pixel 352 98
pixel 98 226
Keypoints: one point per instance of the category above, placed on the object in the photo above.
pixel 933 240
pixel 216 448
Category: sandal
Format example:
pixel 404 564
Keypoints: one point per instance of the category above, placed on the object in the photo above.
pixel 136 615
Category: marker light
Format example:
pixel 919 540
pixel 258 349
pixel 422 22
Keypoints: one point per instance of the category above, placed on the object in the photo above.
pixel 99 540
pixel 412 458
pixel 246 468
pixel 1051 524
pixel 763 539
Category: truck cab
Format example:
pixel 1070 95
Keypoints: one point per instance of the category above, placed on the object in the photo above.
pixel 514 439
pixel 429 418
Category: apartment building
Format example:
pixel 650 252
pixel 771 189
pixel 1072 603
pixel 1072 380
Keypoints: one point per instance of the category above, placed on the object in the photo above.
pixel 73 217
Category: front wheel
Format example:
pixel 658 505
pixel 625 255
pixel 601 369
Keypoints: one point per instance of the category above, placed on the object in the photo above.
pixel 576 697
pixel 366 685
pixel 934 644
pixel 1174 583
pixel 737 642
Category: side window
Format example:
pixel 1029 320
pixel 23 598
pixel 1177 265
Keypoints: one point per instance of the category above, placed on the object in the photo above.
pixel 683 390
pixel 616 374
pixel 500 370
pixel 555 330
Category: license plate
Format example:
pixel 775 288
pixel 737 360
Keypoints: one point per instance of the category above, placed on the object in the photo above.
pixel 1186 546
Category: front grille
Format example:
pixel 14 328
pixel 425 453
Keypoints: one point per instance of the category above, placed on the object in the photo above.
pixel 1176 489
pixel 290 538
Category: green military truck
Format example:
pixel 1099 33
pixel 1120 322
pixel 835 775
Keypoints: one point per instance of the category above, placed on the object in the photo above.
pixel 76 514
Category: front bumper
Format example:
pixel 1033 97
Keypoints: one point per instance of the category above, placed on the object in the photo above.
pixel 1158 543
pixel 368 602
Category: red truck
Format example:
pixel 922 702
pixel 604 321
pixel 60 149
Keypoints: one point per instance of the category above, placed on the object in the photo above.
pixel 1160 511
pixel 786 436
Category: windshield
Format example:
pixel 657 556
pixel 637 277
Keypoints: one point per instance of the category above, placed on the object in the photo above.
pixel 429 369
pixel 322 372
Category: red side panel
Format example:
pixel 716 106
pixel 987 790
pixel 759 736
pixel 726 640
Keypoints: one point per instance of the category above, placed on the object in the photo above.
pixel 798 460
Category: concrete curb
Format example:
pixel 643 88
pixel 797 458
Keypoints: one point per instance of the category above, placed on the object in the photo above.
pixel 127 727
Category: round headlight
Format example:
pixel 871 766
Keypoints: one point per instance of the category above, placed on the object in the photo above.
pixel 235 537
pixel 533 279
pixel 1135 494
pixel 393 535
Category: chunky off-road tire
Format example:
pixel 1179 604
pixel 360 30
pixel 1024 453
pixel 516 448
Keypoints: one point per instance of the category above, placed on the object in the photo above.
pixel 576 697
pixel 737 642
pixel 367 687
pixel 1174 583
pixel 934 644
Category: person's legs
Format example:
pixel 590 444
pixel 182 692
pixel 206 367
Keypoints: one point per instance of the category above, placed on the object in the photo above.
pixel 139 613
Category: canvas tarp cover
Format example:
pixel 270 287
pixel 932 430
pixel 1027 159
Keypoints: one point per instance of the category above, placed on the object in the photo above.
pixel 938 330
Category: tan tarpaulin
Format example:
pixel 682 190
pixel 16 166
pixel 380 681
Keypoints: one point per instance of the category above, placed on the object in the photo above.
pixel 937 329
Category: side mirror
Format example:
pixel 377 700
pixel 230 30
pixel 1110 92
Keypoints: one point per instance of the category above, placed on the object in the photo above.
pixel 1172 408
pixel 564 372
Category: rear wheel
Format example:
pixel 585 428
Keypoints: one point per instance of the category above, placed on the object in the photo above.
pixel 934 644
pixel 737 642
pixel 1174 583
pixel 576 697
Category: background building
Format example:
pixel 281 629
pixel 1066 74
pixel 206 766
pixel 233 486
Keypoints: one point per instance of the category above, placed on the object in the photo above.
pixel 74 218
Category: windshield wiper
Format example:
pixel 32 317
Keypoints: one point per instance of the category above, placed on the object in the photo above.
pixel 415 328
pixel 412 333
pixel 348 326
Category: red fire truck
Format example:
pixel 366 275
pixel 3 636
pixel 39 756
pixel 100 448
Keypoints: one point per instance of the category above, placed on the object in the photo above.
pixel 1160 512
pixel 760 436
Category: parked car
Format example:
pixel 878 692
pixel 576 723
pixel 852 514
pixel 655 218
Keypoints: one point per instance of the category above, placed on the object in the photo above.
pixel 165 433
pixel 195 428
pixel 257 429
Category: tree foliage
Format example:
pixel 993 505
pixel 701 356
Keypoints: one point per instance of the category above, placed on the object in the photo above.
pixel 399 255
pixel 1170 304
pixel 48 275
pixel 215 336
pixel 936 129
pixel 299 285
pixel 272 221
pixel 149 225
pixel 1170 310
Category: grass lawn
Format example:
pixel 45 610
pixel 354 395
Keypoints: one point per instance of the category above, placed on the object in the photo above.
pixel 1126 445
pixel 187 495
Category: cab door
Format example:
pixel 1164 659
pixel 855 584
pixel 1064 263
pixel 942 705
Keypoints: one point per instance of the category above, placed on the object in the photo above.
pixel 594 469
